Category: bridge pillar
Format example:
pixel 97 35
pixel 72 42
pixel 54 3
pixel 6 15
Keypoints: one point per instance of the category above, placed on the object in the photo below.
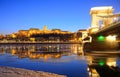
pixel 96 13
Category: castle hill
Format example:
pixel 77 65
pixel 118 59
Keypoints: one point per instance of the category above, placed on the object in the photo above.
pixel 59 38
pixel 35 35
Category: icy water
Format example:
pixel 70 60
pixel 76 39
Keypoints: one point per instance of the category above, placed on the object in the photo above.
pixel 64 59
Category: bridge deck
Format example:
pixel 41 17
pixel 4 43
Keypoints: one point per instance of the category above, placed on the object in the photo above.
pixel 103 53
pixel 112 26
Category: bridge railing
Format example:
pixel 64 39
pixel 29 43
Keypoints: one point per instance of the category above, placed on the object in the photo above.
pixel 113 23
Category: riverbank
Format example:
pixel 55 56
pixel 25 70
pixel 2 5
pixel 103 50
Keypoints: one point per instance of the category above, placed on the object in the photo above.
pixel 18 72
pixel 2 43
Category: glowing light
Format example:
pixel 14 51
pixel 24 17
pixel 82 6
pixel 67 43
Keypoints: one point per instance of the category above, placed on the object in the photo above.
pixel 88 69
pixel 13 36
pixel 101 62
pixel 115 19
pixel 111 63
pixel 13 52
pixel 101 38
pixel 95 30
pixel 90 73
pixel 50 46
pixel 111 38
pixel 102 25
pixel 32 39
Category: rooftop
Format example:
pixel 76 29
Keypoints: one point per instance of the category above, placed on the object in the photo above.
pixel 102 8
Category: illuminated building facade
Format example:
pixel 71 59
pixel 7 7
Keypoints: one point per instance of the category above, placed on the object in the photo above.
pixel 44 35
pixel 32 31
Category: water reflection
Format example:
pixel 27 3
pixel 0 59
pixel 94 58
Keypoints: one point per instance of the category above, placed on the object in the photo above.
pixel 103 66
pixel 41 51
pixel 64 59
pixel 75 65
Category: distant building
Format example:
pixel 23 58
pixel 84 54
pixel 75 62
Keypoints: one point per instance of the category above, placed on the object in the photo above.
pixel 45 28
pixel 46 35
pixel 56 31
pixel 83 32
pixel 32 31
pixel 23 32
pixel 66 32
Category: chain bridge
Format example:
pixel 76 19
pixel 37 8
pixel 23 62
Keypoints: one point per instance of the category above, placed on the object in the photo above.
pixel 104 33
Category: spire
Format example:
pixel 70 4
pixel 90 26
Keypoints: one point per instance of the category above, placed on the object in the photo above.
pixel 45 28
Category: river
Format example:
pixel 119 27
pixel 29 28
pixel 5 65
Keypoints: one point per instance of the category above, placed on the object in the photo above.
pixel 64 59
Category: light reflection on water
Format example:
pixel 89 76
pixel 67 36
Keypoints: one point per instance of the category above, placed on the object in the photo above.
pixel 103 65
pixel 66 59
pixel 41 51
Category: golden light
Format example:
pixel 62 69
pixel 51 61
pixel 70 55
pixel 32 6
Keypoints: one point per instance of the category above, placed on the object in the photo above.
pixel 13 51
pixel 102 25
pixel 111 62
pixel 75 50
pixel 115 19
pixel 94 30
pixel 13 36
pixel 57 56
pixel 32 39
pixel 111 38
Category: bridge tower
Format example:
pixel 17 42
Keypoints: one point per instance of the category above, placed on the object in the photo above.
pixel 104 31
pixel 98 21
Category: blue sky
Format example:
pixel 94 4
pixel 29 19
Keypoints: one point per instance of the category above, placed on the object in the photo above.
pixel 70 15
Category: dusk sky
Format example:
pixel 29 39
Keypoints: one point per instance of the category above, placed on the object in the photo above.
pixel 70 15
